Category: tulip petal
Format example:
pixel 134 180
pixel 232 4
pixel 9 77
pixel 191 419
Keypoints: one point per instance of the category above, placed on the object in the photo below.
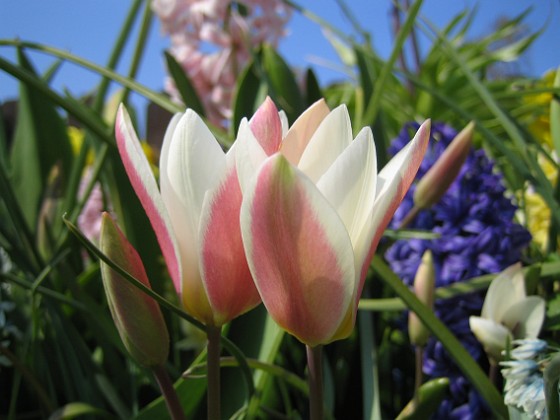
pixel 191 163
pixel 266 127
pixel 491 335
pixel 504 291
pixel 142 179
pixel 525 318
pixel 332 136
pixel 299 252
pixel 227 279
pixel 299 134
pixel 249 154
pixel 350 183
pixel 392 184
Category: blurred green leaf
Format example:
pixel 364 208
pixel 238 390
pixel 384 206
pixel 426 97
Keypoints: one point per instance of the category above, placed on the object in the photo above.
pixel 128 82
pixel 312 89
pixel 184 85
pixel 40 144
pixel 555 115
pixel 373 103
pixel 4 161
pixel 370 375
pixel 272 337
pixel 250 92
pixel 282 83
pixel 551 379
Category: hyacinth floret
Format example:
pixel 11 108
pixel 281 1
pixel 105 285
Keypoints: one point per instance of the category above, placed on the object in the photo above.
pixel 524 388
pixel 476 235
pixel 213 41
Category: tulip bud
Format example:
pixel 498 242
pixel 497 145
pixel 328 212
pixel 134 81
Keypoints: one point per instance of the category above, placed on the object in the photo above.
pixel 437 180
pixel 137 316
pixel 424 288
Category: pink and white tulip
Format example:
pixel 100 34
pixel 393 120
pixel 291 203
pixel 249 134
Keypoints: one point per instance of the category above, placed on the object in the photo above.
pixel 313 212
pixel 195 215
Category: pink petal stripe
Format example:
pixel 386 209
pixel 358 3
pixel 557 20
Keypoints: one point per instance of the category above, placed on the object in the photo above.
pixel 144 184
pixel 226 276
pixel 299 252
pixel 266 127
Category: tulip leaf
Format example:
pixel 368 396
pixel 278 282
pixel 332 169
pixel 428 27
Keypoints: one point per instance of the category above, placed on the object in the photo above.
pixel 3 141
pixel 272 337
pixel 312 89
pixel 430 394
pixel 184 85
pixel 373 106
pixel 551 379
pixel 370 375
pixel 249 94
pixel 555 115
pixel 128 82
pixel 282 83
pixel 40 143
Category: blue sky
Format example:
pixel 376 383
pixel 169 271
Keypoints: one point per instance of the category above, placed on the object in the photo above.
pixel 89 28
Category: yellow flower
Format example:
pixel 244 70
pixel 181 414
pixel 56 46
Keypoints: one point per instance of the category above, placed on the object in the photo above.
pixel 536 209
pixel 539 123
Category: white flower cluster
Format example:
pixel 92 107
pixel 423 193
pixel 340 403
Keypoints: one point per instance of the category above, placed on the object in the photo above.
pixel 523 374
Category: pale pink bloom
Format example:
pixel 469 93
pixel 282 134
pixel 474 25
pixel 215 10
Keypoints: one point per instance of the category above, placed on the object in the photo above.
pixel 89 220
pixel 313 212
pixel 216 30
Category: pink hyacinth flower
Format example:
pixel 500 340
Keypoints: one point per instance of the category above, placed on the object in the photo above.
pixel 195 215
pixel 313 212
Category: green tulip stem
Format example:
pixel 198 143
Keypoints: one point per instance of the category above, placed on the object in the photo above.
pixel 213 372
pixel 315 377
pixel 419 376
pixel 168 392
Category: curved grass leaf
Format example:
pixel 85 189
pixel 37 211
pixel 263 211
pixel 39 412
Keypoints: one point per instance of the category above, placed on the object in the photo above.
pixel 127 82
pixel 40 144
pixel 184 85
pixel 282 83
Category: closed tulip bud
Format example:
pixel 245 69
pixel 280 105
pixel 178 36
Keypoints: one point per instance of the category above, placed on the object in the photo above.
pixel 137 316
pixel 437 180
pixel 424 288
